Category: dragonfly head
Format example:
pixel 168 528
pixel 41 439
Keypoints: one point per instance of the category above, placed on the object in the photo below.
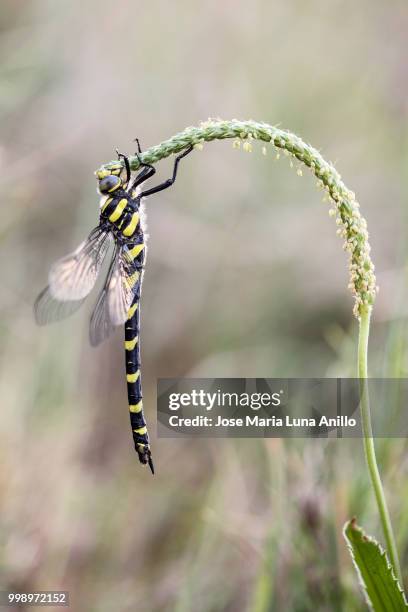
pixel 109 177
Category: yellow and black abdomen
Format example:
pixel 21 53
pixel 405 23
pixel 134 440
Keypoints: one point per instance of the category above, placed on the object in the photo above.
pixel 132 349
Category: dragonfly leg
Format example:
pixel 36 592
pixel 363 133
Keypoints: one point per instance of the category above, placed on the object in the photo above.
pixel 138 154
pixel 147 171
pixel 139 148
pixel 143 175
pixel 127 165
pixel 169 181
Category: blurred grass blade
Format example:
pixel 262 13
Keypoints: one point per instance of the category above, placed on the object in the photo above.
pixel 381 588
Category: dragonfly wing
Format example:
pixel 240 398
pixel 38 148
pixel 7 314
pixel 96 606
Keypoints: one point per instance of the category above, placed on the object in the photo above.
pixel 121 286
pixel 48 310
pixel 72 278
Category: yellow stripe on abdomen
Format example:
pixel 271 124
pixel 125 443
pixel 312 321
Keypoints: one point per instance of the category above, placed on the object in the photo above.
pixel 132 310
pixel 141 431
pixel 137 249
pixel 136 407
pixel 130 344
pixel 132 280
pixel 132 378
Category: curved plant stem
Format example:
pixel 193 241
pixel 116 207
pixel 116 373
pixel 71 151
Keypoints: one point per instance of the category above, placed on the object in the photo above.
pixel 352 228
pixel 351 225
pixel 369 442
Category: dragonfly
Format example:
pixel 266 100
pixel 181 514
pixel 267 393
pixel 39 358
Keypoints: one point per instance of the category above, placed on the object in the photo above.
pixel 72 278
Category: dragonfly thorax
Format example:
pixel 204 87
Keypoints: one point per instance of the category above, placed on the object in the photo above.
pixel 122 212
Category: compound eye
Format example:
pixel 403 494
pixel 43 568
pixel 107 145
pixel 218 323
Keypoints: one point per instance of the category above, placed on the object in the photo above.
pixel 109 183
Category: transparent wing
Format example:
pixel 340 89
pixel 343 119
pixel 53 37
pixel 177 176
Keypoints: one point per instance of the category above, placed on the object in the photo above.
pixel 48 310
pixel 121 286
pixel 72 278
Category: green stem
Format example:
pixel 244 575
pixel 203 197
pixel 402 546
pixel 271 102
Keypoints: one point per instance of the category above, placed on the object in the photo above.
pixel 368 440
pixel 351 227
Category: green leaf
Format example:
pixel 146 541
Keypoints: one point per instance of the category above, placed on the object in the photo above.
pixel 381 588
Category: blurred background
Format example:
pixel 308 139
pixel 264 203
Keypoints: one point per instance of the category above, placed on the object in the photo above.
pixel 245 277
